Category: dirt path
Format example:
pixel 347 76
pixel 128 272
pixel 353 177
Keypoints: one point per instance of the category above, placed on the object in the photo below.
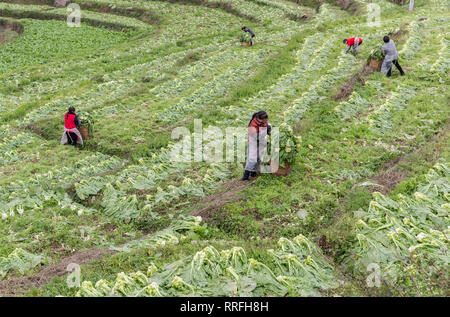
pixel 19 285
pixel 9 30
pixel 392 173
pixel 228 192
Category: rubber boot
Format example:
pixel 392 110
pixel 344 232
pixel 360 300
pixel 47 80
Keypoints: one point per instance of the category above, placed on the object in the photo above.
pixel 246 175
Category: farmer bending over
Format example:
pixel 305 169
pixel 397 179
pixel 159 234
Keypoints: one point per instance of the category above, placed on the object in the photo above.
pixel 258 128
pixel 249 30
pixel 390 57
pixel 353 42
pixel 71 134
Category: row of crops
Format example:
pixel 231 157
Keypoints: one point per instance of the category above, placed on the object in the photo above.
pixel 405 237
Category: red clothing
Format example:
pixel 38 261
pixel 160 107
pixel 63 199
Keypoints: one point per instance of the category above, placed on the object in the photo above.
pixel 351 41
pixel 255 124
pixel 69 121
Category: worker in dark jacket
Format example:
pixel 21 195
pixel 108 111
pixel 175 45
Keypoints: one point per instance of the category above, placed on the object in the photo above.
pixel 249 30
pixel 258 128
pixel 71 134
pixel 353 42
pixel 390 57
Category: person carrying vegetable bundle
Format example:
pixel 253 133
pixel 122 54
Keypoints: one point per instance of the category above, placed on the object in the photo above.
pixel 249 30
pixel 258 128
pixel 71 134
pixel 390 57
pixel 353 42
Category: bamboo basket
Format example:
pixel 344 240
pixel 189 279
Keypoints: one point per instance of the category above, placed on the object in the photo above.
pixel 375 65
pixel 84 131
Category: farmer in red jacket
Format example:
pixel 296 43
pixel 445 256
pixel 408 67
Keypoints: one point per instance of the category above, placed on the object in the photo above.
pixel 353 42
pixel 258 128
pixel 71 134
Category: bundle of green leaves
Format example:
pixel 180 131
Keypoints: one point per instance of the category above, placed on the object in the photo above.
pixel 288 145
pixel 245 37
pixel 87 120
pixel 376 54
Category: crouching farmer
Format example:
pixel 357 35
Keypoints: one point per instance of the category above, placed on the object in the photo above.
pixel 249 30
pixel 390 57
pixel 353 42
pixel 71 134
pixel 258 128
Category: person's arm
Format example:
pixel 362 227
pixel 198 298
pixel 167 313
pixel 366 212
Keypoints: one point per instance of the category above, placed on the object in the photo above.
pixel 269 129
pixel 383 50
pixel 77 121
pixel 348 49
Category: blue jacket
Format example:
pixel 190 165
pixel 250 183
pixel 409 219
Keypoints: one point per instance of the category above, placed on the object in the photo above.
pixel 249 30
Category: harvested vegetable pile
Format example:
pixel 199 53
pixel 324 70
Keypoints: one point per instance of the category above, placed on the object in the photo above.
pixel 296 268
pixel 18 260
pixel 408 238
pixel 376 54
pixel 245 37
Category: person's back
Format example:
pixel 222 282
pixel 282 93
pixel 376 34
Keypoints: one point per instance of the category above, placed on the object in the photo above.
pixel 71 134
pixel 390 51
pixel 390 57
pixel 249 30
pixel 69 121
pixel 354 40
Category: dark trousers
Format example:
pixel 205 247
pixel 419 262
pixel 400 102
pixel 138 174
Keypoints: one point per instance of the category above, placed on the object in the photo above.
pixel 71 138
pixel 395 62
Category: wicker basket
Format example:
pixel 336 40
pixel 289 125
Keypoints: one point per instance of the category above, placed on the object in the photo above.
pixel 375 65
pixel 84 131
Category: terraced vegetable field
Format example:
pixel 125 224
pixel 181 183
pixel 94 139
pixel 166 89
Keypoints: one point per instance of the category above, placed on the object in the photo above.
pixel 364 211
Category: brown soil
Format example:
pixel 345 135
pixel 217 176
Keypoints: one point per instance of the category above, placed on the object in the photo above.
pixel 392 175
pixel 348 5
pixel 324 245
pixel 299 18
pixel 9 30
pixel 227 193
pixel 346 89
pixel 19 285
pixel 33 127
pixel 10 25
pixel 399 35
pixel 389 178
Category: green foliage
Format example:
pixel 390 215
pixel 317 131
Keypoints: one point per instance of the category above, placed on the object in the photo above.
pixel 295 268
pixel 245 37
pixel 42 37
pixel 19 260
pixel 289 145
pixel 87 120
pixel 375 54
pixel 408 236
